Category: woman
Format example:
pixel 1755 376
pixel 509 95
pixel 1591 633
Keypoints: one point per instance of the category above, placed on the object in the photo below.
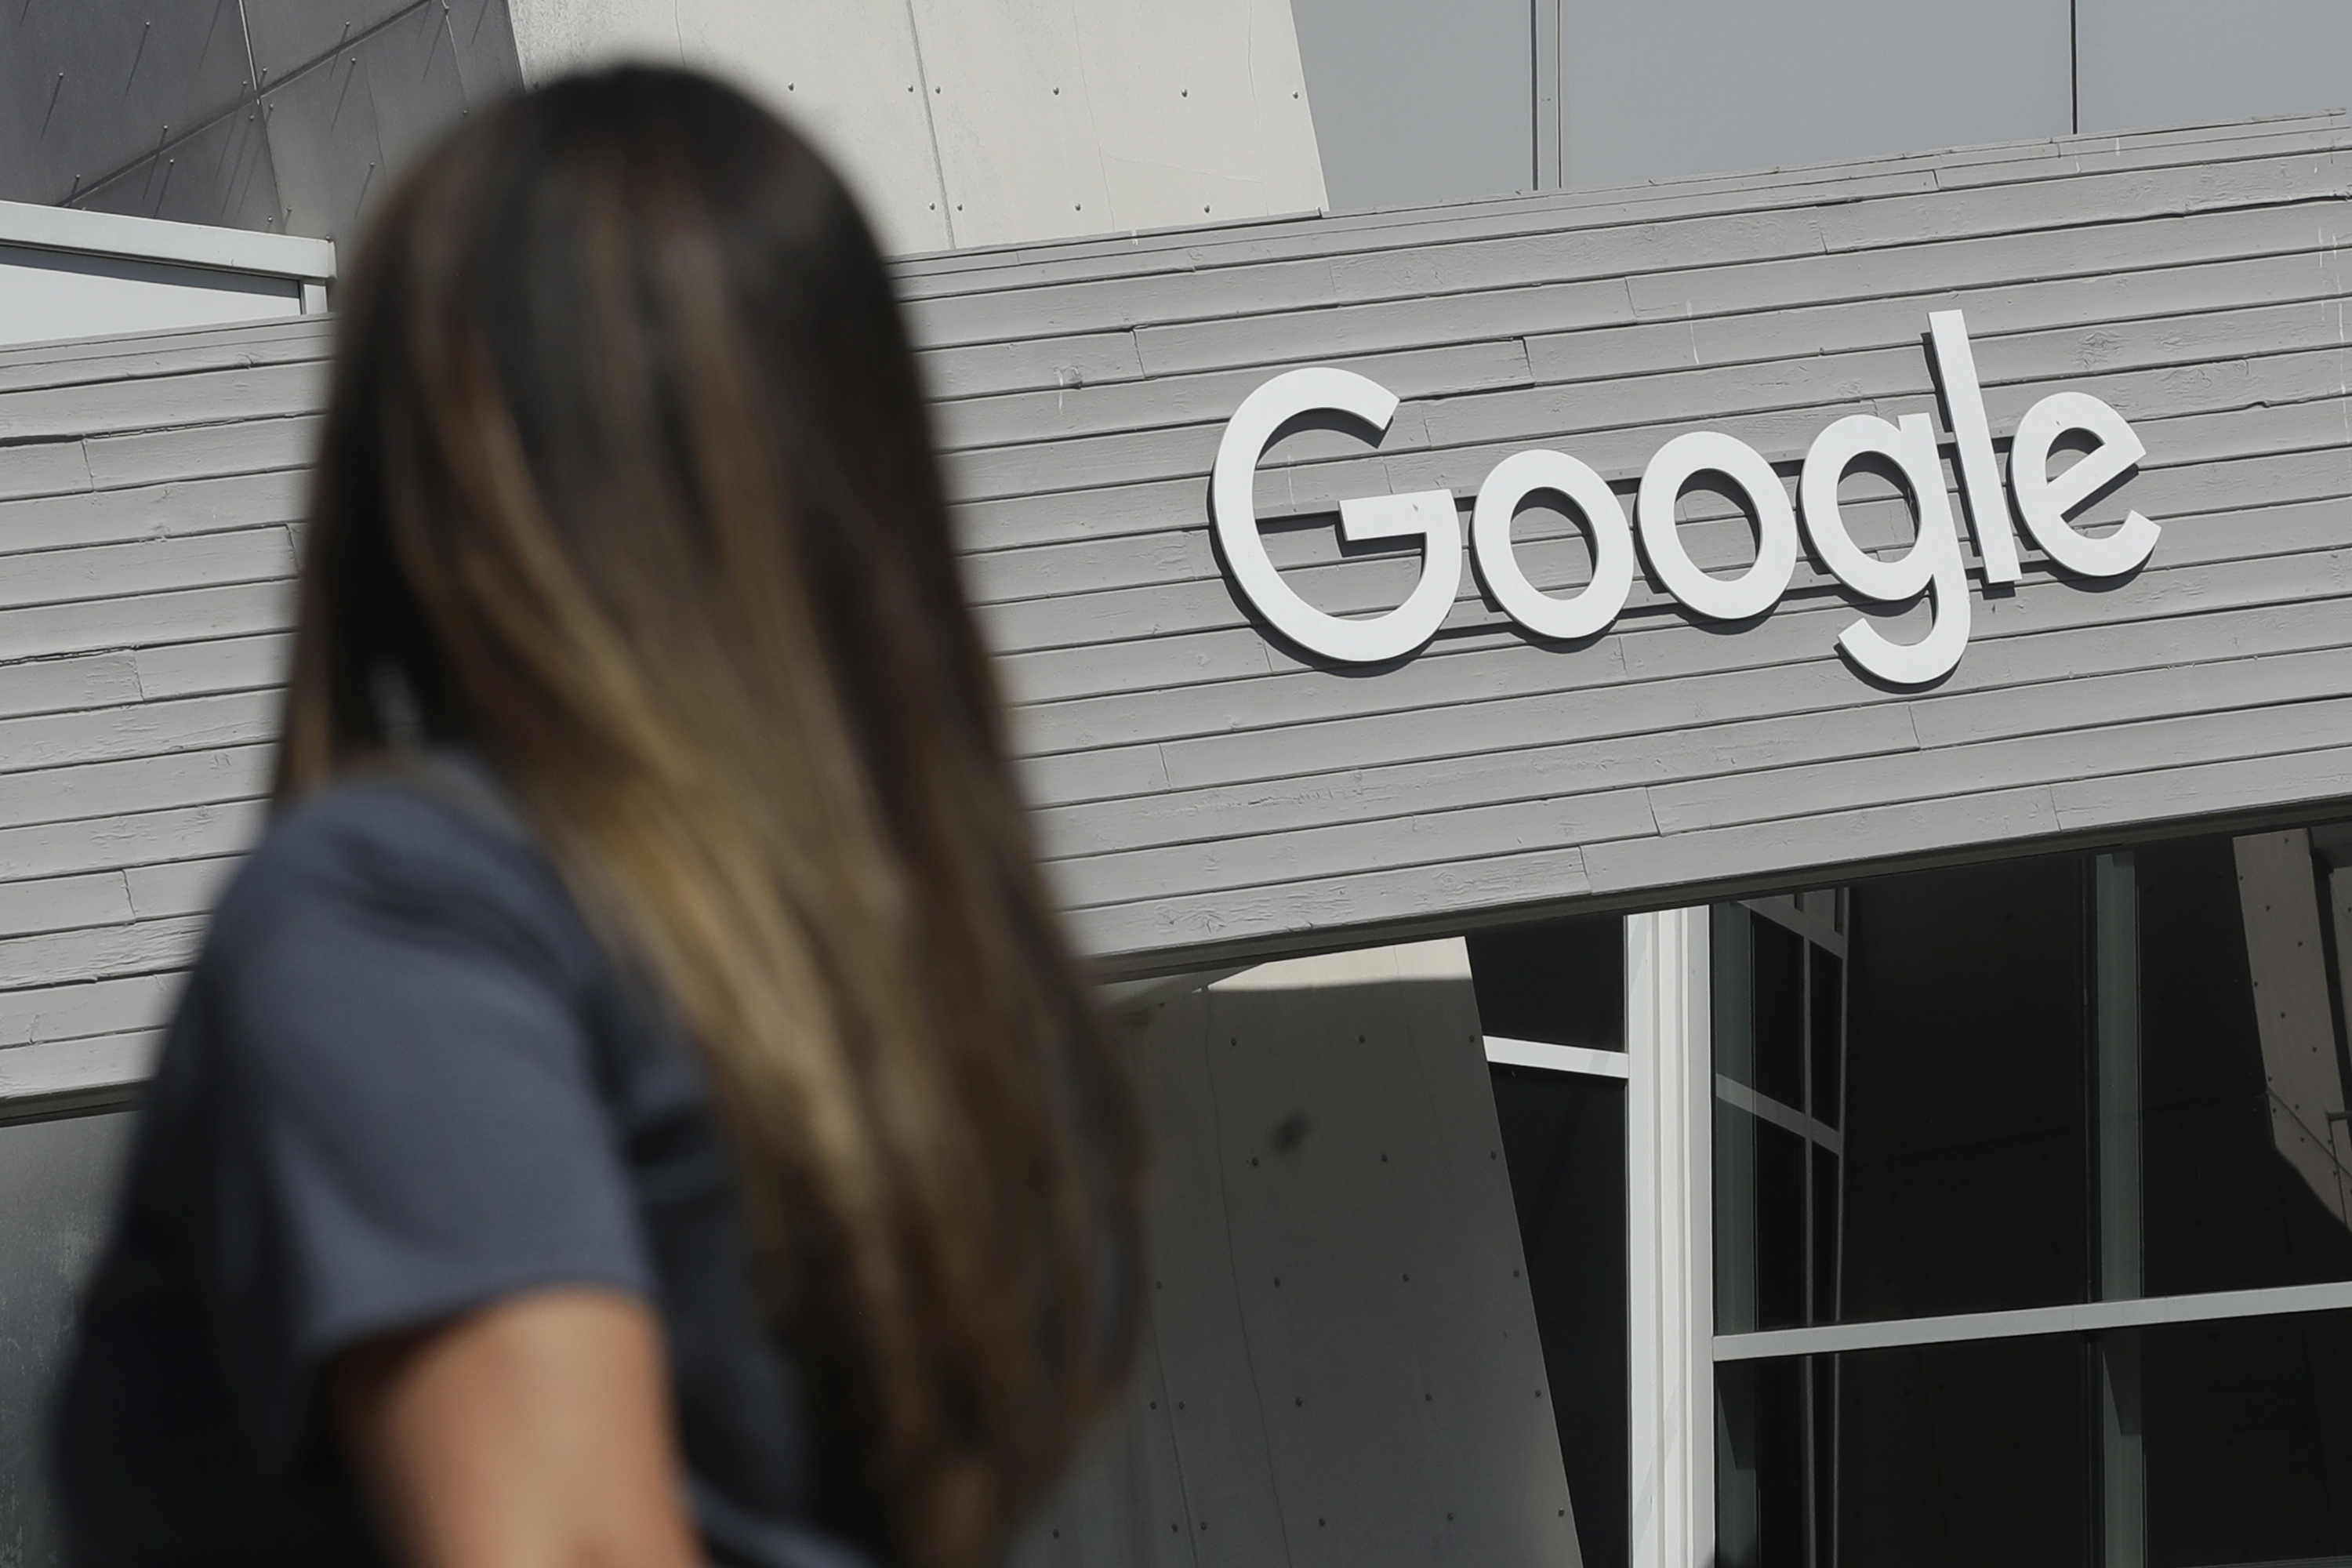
pixel 637 1106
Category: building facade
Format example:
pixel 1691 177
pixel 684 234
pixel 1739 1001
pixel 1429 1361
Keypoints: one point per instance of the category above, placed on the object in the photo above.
pixel 1720 808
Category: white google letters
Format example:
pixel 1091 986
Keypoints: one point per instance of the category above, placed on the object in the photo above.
pixel 1514 478
pixel 1678 462
pixel 1933 562
pixel 1429 513
pixel 1932 567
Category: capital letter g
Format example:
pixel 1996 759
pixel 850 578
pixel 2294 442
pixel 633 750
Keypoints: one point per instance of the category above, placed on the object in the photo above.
pixel 1429 513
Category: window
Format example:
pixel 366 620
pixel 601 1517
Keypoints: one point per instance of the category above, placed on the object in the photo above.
pixel 1551 1001
pixel 2033 1194
pixel 1994 1213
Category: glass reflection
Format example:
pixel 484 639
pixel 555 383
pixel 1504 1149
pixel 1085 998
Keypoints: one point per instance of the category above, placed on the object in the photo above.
pixel 2242 1071
pixel 2038 1082
pixel 1564 1141
pixel 2211 1445
pixel 1932 1456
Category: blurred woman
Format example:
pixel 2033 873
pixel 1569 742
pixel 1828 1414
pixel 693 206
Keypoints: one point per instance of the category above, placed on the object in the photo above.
pixel 637 1106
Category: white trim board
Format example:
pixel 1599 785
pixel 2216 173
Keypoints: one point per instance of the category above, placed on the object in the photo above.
pixel 1507 1052
pixel 156 240
pixel 2087 1317
pixel 61 1075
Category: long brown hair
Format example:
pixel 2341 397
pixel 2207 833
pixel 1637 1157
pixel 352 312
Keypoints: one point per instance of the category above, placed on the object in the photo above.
pixel 626 477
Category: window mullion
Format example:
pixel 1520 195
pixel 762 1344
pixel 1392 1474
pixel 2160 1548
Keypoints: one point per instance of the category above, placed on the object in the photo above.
pixel 1669 1107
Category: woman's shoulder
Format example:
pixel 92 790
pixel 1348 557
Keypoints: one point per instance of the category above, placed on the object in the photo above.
pixel 431 846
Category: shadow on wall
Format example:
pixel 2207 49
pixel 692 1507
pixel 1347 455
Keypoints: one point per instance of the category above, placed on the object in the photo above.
pixel 58 1181
pixel 1341 1365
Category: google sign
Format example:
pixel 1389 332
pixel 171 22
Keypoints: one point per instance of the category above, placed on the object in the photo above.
pixel 1932 566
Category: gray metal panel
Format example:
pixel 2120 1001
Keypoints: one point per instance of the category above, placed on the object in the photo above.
pixel 1419 100
pixel 342 127
pixel 152 109
pixel 1651 91
pixel 2147 61
pixel 288 35
pixel 221 174
pixel 87 87
pixel 328 147
pixel 487 60
pixel 419 81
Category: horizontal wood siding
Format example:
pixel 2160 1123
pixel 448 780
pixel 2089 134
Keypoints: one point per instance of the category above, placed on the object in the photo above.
pixel 149 490
pixel 1205 792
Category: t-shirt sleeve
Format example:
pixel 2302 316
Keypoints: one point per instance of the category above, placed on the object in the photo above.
pixel 403 1119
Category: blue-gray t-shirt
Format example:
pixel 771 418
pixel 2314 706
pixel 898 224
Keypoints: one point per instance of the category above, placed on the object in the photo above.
pixel 406 1081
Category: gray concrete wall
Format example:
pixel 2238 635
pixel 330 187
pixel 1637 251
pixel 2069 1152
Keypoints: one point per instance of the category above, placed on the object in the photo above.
pixel 1202 790
pixel 958 122
pixel 964 122
pixel 1341 1367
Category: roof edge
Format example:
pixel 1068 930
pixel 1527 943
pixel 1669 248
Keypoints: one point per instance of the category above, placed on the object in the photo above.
pixel 160 239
